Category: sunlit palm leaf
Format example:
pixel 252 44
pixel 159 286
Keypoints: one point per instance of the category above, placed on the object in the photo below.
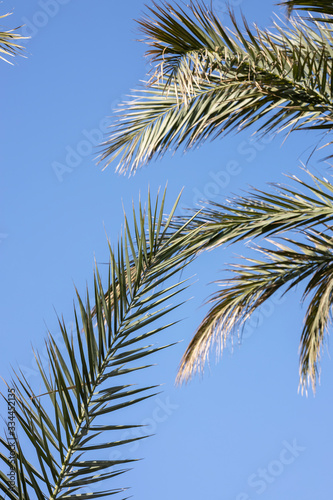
pixel 260 214
pixel 254 283
pixel 8 42
pixel 207 81
pixel 84 379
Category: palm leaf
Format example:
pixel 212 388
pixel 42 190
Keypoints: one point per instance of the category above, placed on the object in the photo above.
pixel 254 283
pixel 207 81
pixel 323 7
pixel 8 42
pixel 306 207
pixel 63 423
pixel 259 214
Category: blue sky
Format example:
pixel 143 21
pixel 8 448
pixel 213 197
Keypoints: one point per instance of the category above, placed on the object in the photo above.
pixel 216 437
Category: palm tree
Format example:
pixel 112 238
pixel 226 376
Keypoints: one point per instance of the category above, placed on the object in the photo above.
pixel 207 81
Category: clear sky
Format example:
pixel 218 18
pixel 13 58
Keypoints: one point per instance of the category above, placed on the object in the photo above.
pixel 242 432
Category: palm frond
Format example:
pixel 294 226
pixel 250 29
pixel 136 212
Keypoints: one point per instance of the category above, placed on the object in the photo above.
pixel 323 7
pixel 65 422
pixel 208 81
pixel 8 42
pixel 306 207
pixel 254 283
pixel 260 214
